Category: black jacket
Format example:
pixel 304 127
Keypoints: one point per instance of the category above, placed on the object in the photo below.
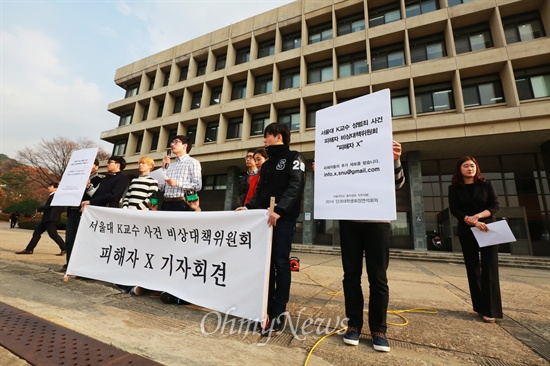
pixel 283 177
pixel 110 190
pixel 50 213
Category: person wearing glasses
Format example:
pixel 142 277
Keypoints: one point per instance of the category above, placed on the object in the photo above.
pixel 184 175
pixel 112 186
pixel 249 179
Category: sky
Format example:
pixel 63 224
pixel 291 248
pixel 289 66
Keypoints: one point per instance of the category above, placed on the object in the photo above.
pixel 58 58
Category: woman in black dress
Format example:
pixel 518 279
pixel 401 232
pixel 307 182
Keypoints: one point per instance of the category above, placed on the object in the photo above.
pixel 473 201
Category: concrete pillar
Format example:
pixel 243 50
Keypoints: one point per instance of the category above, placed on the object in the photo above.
pixel 232 188
pixel 418 222
pixel 308 225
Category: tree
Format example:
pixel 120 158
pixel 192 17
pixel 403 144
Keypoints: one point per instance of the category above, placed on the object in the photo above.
pixel 51 157
pixel 22 183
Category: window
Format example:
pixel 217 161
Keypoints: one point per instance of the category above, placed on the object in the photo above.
pixel 119 148
pixel 196 100
pixel 139 143
pixel 125 119
pixel 311 112
pixel 290 117
pixel 292 41
pixel 354 64
pixel 482 91
pixel 525 27
pixel 145 112
pixel 201 68
pixel 132 90
pixel 320 33
pixel 319 71
pixel 259 122
pixel 178 103
pixel 428 48
pixel 166 79
pixel 386 57
pixel 433 98
pixel 290 78
pixel 238 91
pixel 400 103
pixel 473 38
pixel 216 95
pixel 386 14
pixel 183 73
pixel 351 24
pixel 214 182
pixel 161 109
pixel 192 133
pixel 457 2
pixel 171 136
pixel 417 7
pixel 155 141
pixel 211 132
pixel 151 82
pixel 263 84
pixel 243 55
pixel 266 48
pixel 533 83
pixel 220 62
pixel 234 128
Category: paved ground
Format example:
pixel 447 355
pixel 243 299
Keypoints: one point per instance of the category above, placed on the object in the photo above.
pixel 190 335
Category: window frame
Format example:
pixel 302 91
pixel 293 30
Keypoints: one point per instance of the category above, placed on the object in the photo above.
pixel 431 90
pixel 395 95
pixel 542 72
pixel 268 46
pixel 201 67
pixel 292 113
pixel 311 110
pixel 425 42
pixel 132 90
pixel 262 118
pixel 353 60
pixel 211 133
pixel 514 23
pixel 221 61
pixel 216 91
pixel 346 25
pixel 263 84
pixel 241 85
pixel 126 118
pixel 423 6
pixel 196 100
pixel 294 38
pixel 385 10
pixel 469 32
pixel 289 75
pixel 118 145
pixel 320 67
pixel 242 55
pixel 230 134
pixel 475 87
pixel 386 51
pixel 320 30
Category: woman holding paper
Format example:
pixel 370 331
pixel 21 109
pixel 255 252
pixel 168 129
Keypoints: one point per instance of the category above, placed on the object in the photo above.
pixel 473 201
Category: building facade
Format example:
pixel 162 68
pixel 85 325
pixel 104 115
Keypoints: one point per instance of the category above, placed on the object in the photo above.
pixel 466 78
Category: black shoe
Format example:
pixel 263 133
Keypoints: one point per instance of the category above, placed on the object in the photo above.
pixel 352 336
pixel 63 252
pixel 62 269
pixel 275 326
pixel 380 342
pixel 24 251
pixel 166 298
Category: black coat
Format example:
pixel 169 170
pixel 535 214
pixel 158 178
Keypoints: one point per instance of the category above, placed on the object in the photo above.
pixel 50 213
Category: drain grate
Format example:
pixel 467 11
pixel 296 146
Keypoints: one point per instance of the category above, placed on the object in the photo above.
pixel 41 342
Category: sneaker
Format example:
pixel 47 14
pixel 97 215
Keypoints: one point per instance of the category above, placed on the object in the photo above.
pixel 380 342
pixel 136 290
pixel 352 336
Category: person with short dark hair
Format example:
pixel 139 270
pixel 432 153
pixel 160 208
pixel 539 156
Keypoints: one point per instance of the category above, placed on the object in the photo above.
pixel 248 178
pixel 13 219
pixel 50 218
pixel 112 187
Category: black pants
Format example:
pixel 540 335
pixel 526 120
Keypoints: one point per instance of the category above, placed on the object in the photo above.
pixel 483 277
pixel 73 220
pixel 175 206
pixel 51 228
pixel 373 240
pixel 280 276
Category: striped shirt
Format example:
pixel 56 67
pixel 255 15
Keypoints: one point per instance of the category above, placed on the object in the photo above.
pixel 139 192
pixel 187 172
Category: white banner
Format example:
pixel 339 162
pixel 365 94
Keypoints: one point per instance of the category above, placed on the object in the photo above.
pixel 76 175
pixel 219 260
pixel 354 172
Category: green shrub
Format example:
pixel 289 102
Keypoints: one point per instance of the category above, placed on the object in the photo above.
pixel 31 224
pixel 26 208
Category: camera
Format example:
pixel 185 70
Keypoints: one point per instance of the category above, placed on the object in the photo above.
pixel 191 195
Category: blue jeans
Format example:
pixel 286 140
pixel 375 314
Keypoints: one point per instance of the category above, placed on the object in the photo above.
pixel 279 278
pixel 371 239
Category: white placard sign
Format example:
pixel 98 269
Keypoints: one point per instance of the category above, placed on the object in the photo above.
pixel 499 233
pixel 218 260
pixel 74 180
pixel 354 171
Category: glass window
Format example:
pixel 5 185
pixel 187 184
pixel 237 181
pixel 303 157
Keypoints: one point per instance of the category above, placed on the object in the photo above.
pixel 201 68
pixel 171 136
pixel 319 71
pixel 183 73
pixel 351 24
pixel 196 101
pixel 290 117
pixel 155 141
pixel 533 83
pixel 400 103
pixel 457 2
pixel 160 109
pixel 214 182
pixel 192 133
pixel 311 112
pixel 434 98
pixel 266 48
pixel 263 84
pixel 259 122
pixel 386 57
pixel 178 102
pixel 290 78
pixel 125 119
pixel 119 148
pixel 354 64
pixel 132 90
pixel 151 82
pixel 220 62
pixel 386 14
pixel 400 226
pixel 166 79
pixel 145 112
pixel 211 132
pixel 428 48
pixel 139 143
pixel 243 55
pixel 525 27
pixel 473 38
pixel 234 128
pixel 320 33
pixel 417 7
pixel 482 91
pixel 292 41
pixel 216 95
pixel 238 91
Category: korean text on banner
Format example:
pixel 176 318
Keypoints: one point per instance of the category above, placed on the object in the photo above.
pixel 218 260
pixel 354 170
pixel 74 179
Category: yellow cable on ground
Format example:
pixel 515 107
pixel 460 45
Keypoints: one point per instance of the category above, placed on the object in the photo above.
pixel 331 292
pixel 319 341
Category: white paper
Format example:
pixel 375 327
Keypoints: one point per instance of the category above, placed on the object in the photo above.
pixel 159 175
pixel 499 233
pixel 75 178
pixel 354 170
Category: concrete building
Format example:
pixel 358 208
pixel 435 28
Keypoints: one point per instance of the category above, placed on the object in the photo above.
pixel 466 78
